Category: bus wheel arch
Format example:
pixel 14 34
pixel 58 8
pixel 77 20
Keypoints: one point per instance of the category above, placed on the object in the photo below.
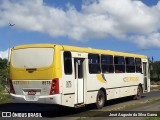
pixel 101 98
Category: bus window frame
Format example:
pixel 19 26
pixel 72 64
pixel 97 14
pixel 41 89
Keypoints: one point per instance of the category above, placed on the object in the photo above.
pixel 69 66
pixel 109 64
pixel 129 66
pixel 118 66
pixel 94 68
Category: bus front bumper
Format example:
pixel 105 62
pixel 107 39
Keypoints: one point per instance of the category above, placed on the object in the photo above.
pixel 50 99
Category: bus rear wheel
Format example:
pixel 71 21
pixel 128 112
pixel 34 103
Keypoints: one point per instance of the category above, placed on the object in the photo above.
pixel 100 99
pixel 139 93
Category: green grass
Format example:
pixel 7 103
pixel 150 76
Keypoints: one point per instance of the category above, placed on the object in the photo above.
pixel 134 104
pixel 121 108
pixel 153 118
pixel 4 98
pixel 155 88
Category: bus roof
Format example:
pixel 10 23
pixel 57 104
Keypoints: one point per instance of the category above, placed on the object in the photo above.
pixel 80 49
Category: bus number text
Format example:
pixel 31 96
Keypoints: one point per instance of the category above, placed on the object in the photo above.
pixel 68 84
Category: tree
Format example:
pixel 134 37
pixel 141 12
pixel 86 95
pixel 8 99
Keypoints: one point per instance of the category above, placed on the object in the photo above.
pixel 4 72
pixel 3 63
pixel 155 72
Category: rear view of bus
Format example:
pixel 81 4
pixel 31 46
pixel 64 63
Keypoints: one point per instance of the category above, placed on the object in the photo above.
pixel 32 74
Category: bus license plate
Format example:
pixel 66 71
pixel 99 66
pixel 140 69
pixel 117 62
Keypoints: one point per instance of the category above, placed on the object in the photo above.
pixel 31 97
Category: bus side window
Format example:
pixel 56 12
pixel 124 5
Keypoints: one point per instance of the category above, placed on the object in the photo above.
pixel 138 65
pixel 130 65
pixel 67 62
pixel 119 63
pixel 107 64
pixel 94 63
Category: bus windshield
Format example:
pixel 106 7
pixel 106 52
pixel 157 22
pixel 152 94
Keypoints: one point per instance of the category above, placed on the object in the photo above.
pixel 32 57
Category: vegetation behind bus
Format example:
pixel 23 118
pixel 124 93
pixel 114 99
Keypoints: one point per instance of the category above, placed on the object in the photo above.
pixel 155 72
pixel 4 76
pixel 4 73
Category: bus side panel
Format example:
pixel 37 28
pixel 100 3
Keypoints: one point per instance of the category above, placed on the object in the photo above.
pixel 68 100
pixel 121 92
pixel 116 84
pixel 68 86
pixel 91 97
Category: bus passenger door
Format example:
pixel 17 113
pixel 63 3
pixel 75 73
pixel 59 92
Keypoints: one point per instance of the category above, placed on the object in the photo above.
pixel 79 80
pixel 146 77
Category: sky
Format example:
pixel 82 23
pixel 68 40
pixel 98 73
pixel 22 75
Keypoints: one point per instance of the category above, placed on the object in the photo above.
pixel 120 25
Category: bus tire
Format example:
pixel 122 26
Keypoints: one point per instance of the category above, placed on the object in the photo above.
pixel 100 101
pixel 139 93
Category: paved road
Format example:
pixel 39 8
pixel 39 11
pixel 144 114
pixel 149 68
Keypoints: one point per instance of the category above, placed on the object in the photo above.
pixel 52 111
pixel 141 112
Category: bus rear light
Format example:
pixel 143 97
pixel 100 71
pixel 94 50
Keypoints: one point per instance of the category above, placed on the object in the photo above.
pixel 11 87
pixel 54 86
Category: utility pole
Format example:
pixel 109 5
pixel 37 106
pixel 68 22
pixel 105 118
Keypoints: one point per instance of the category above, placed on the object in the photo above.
pixel 9 41
pixel 152 59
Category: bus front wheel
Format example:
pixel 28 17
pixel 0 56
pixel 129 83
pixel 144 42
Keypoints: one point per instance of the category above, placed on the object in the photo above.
pixel 100 99
pixel 139 93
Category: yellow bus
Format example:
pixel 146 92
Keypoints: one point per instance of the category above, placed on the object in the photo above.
pixel 75 76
